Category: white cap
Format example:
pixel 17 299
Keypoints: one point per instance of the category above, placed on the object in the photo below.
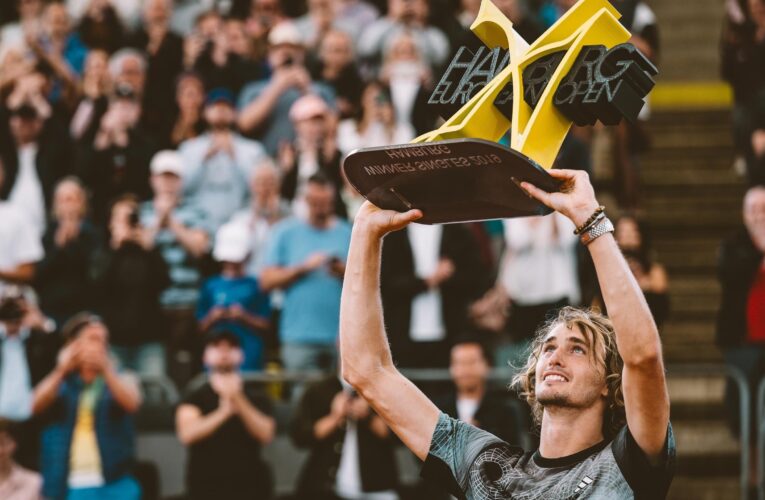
pixel 167 162
pixel 285 33
pixel 232 243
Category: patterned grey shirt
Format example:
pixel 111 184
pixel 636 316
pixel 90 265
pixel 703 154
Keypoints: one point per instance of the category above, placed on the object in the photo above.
pixel 477 465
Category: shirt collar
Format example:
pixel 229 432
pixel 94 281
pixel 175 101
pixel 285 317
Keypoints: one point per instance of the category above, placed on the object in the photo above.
pixel 23 333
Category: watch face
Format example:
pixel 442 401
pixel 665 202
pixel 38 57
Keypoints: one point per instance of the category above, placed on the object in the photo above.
pixel 455 180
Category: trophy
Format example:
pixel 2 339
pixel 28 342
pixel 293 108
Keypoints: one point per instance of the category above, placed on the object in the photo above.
pixel 581 70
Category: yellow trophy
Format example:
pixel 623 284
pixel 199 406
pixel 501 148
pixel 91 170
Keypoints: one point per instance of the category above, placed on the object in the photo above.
pixel 581 70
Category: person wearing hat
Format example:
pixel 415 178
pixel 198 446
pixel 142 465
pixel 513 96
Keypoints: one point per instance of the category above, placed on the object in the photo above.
pixel 225 423
pixel 234 301
pixel 218 164
pixel 179 231
pixel 264 105
pixel 313 151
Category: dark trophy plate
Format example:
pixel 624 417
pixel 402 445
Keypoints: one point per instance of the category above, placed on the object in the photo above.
pixel 456 180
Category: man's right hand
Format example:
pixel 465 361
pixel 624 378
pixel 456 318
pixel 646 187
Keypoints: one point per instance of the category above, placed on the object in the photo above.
pixel 378 222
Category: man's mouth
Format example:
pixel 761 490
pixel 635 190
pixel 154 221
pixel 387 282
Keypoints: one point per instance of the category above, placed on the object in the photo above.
pixel 555 377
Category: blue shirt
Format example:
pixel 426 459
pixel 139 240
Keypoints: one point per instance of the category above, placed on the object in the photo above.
pixel 15 380
pixel 220 291
pixel 311 311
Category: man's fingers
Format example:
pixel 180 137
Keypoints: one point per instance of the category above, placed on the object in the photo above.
pixel 537 193
pixel 562 173
pixel 404 218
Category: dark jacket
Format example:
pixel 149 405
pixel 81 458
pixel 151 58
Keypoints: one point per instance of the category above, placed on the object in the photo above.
pixel 376 458
pixel 114 433
pixel 400 285
pixel 737 269
pixel 497 414
pixel 63 279
pixel 41 350
pixel 329 167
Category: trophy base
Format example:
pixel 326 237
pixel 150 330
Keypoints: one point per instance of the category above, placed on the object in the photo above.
pixel 456 180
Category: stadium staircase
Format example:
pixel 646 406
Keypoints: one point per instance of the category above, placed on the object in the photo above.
pixel 692 198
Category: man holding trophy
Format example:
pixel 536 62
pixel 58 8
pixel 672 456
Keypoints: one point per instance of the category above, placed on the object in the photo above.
pixel 596 385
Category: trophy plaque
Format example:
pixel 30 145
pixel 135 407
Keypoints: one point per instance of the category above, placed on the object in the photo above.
pixel 581 70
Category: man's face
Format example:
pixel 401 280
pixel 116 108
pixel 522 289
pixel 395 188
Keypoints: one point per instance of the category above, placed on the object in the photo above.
pixel 219 115
pixel 336 49
pixel 25 129
pixel 7 447
pixel 264 184
pixel 285 55
pixel 56 20
pixel 754 215
pixel 166 184
pixel 93 342
pixel 223 356
pixel 29 9
pixel 132 73
pixel 468 367
pixel 69 199
pixel 628 234
pixel 567 375
pixel 320 200
pixel 157 12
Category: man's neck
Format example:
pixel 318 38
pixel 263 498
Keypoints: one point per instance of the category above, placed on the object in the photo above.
pixel 321 223
pixel 474 392
pixel 6 467
pixel 556 436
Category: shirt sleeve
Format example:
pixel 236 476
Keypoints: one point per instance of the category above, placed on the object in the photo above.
pixel 27 246
pixel 454 448
pixel 646 480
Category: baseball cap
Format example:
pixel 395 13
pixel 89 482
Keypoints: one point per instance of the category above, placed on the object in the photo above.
pixel 308 106
pixel 232 243
pixel 167 162
pixel 285 33
pixel 218 95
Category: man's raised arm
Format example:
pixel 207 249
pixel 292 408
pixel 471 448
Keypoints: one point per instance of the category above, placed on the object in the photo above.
pixel 644 386
pixel 365 355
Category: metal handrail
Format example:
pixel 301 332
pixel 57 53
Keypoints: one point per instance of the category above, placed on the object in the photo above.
pixel 505 374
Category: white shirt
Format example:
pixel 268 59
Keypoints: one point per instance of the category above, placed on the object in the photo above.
pixel 15 381
pixel 466 408
pixel 540 260
pixel 19 242
pixel 427 322
pixel 27 192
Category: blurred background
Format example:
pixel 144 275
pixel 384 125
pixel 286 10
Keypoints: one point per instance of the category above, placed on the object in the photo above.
pixel 174 228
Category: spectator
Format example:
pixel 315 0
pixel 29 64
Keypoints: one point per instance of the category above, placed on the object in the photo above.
pixel 538 275
pixel 20 248
pixel 39 151
pixel 60 47
pixel 408 77
pixel 552 10
pixel 164 50
pixel 523 23
pixel 264 105
pixel 743 66
pixel 95 89
pixel 473 402
pixel 219 163
pixel 320 19
pixel 179 232
pixel 222 57
pixel 405 16
pixel 64 277
pixel 314 150
pixel 88 442
pixel 429 277
pixel 267 207
pixel 129 11
pixel 12 35
pixel 224 423
pixel 117 162
pixel 306 258
pixel 101 27
pixel 28 352
pixel 358 14
pixel 188 122
pixel 634 240
pixel 129 284
pixel 377 124
pixel 16 482
pixel 337 69
pixel 351 448
pixel 234 301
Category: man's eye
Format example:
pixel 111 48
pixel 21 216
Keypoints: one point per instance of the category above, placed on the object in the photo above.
pixel 549 348
pixel 578 350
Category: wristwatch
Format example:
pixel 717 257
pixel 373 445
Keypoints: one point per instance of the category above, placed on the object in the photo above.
pixel 596 231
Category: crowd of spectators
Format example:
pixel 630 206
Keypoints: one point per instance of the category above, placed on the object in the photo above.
pixel 171 203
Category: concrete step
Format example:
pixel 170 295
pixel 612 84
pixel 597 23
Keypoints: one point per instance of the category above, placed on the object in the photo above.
pixel 704 488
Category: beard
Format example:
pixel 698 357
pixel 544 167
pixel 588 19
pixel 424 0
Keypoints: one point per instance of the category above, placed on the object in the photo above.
pixel 555 399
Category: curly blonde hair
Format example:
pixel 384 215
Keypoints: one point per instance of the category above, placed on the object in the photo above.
pixel 599 333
